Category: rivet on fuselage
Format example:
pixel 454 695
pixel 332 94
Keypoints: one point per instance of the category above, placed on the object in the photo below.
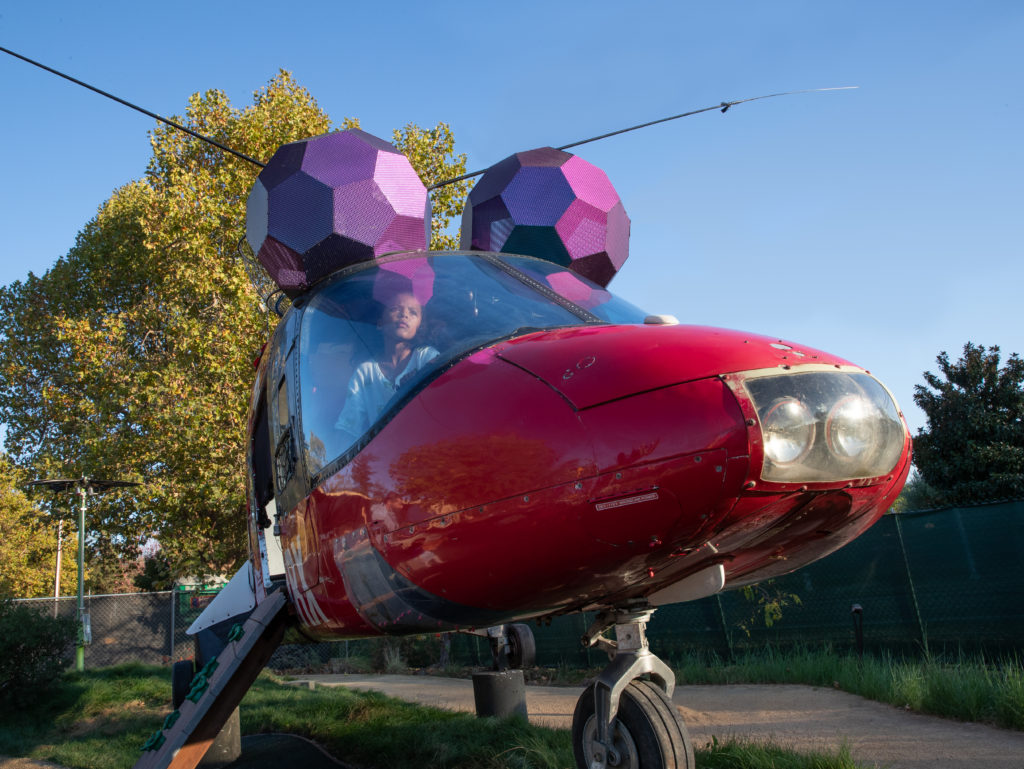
pixel 748 485
pixel 750 422
pixel 718 468
pixel 526 498
pixel 578 485
pixel 618 476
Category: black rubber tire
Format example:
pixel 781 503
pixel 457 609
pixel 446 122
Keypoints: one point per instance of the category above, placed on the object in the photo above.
pixel 182 673
pixel 648 733
pixel 522 646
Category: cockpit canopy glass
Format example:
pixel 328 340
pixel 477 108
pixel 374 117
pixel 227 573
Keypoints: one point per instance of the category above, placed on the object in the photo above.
pixel 577 289
pixel 370 336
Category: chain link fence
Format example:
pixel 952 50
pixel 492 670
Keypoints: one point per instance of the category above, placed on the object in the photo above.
pixel 129 627
pixel 935 580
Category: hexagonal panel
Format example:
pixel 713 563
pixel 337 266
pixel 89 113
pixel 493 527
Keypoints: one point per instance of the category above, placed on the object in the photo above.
pixel 552 205
pixel 325 203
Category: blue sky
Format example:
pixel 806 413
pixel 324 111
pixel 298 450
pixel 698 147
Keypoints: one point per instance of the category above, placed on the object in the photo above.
pixel 883 224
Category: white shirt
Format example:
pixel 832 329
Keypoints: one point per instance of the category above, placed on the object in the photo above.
pixel 369 391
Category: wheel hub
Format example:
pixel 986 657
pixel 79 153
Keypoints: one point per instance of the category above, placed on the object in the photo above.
pixel 621 753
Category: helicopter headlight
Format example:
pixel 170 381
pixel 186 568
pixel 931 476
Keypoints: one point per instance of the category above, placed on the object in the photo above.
pixel 788 430
pixel 850 428
pixel 825 426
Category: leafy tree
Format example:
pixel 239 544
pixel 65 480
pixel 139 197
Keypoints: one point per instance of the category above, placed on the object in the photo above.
pixel 917 495
pixel 973 446
pixel 110 568
pixel 155 574
pixel 28 543
pixel 132 357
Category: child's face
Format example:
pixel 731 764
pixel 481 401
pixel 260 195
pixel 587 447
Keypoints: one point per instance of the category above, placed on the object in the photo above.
pixel 402 317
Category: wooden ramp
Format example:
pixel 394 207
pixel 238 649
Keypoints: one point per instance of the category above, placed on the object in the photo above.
pixel 217 689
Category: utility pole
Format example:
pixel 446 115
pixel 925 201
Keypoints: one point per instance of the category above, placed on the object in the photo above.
pixel 84 487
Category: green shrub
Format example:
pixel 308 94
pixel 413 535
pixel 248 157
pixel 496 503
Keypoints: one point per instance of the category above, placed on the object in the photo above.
pixel 34 650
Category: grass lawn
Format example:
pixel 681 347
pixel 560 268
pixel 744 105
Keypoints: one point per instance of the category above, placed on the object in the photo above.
pixel 100 719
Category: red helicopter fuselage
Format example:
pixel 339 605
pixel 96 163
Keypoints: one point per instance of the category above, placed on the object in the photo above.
pixel 564 468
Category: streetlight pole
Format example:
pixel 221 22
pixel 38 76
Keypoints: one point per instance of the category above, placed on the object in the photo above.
pixel 56 576
pixel 84 627
pixel 83 486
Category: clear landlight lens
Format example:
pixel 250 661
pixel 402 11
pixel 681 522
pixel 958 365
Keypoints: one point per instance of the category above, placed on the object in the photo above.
pixel 851 427
pixel 825 426
pixel 788 429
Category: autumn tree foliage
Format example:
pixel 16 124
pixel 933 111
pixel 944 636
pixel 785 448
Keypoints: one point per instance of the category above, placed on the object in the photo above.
pixel 28 543
pixel 132 357
pixel 972 449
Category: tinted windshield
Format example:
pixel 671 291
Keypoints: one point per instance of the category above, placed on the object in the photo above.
pixel 369 337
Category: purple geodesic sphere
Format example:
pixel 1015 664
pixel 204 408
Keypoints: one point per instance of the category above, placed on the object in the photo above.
pixel 324 203
pixel 553 205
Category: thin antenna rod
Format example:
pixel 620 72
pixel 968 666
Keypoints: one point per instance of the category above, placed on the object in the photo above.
pixel 724 106
pixel 162 119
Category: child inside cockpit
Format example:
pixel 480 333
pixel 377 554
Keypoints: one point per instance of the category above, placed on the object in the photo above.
pixel 375 382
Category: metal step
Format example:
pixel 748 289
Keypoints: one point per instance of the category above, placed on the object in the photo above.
pixel 189 732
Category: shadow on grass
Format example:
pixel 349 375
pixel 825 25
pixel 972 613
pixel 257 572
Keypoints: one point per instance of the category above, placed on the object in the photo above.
pixel 96 719
pixel 371 729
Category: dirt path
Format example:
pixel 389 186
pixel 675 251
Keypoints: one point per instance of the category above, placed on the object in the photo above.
pixel 26 763
pixel 802 718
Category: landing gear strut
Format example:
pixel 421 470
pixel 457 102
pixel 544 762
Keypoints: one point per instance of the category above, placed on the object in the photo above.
pixel 622 720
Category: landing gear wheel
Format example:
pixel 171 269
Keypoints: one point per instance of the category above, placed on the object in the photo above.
pixel 181 682
pixel 522 649
pixel 648 732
